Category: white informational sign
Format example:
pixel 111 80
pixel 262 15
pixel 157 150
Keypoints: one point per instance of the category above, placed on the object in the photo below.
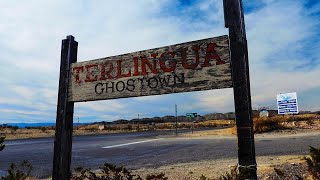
pixel 287 103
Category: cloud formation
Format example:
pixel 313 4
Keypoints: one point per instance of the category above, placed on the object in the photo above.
pixel 283 41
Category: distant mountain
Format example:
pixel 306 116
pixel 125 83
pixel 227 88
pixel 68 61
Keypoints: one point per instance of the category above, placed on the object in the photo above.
pixel 23 125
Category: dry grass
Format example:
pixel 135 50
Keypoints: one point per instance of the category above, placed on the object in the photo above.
pixel 304 121
pixel 261 125
pixel 25 133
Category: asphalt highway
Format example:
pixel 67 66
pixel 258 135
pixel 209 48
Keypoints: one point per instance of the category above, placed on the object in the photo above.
pixel 145 149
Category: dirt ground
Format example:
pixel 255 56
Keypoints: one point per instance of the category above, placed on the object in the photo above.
pixel 292 164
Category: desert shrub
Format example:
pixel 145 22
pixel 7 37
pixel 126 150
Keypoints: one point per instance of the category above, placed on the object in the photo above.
pixel 14 128
pixel 160 176
pixel 111 128
pixel 202 177
pixel 90 128
pixel 300 118
pixel 112 172
pixel 310 122
pixel 129 127
pixel 20 172
pixel 313 162
pixel 164 126
pixel 261 125
pixel 236 174
pixel 234 130
pixel 2 145
pixel 43 129
pixel 284 175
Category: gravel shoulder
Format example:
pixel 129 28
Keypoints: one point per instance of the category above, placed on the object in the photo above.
pixel 291 165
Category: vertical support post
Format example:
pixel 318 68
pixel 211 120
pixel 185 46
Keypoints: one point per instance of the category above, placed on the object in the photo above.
pixel 234 20
pixel 192 127
pixel 138 122
pixel 64 121
pixel 78 123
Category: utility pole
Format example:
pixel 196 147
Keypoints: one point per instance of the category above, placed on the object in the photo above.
pixel 78 123
pixel 192 124
pixel 138 122
pixel 176 108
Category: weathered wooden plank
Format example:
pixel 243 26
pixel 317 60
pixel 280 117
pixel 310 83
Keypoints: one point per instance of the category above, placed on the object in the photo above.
pixel 64 121
pixel 234 20
pixel 192 66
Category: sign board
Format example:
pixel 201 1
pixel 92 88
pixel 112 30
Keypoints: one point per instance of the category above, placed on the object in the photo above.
pixel 287 103
pixel 191 115
pixel 192 66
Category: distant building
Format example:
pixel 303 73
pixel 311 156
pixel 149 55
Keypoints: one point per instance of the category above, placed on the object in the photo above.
pixel 264 113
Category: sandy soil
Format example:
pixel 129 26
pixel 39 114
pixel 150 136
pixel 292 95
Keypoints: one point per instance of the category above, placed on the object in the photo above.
pixel 214 169
pixel 290 164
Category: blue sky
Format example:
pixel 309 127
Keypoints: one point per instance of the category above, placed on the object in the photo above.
pixel 283 39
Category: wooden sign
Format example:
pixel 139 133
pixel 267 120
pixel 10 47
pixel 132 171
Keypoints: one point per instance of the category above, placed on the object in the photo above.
pixel 191 66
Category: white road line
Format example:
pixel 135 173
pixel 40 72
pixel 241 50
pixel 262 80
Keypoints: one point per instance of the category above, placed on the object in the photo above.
pixel 127 144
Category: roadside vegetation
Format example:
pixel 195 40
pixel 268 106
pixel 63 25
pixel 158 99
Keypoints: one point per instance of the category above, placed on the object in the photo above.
pixel 112 172
pixel 287 122
pixel 13 132
pixel 260 125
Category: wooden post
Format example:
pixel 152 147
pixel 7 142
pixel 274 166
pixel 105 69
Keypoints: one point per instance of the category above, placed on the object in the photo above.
pixel 234 20
pixel 64 121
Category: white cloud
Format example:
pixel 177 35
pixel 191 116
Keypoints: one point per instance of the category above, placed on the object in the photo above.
pixel 102 106
pixel 31 34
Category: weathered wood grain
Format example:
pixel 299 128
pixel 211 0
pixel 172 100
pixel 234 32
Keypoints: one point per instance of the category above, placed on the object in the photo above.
pixel 192 66
pixel 65 109
pixel 241 86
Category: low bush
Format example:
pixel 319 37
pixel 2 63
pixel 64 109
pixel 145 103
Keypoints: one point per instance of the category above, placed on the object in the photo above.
pixel 261 125
pixel 21 172
pixel 90 129
pixel 236 174
pixel 305 117
pixel 110 172
pixel 313 162
pixel 310 122
pixel 43 129
pixel 129 127
pixel 14 128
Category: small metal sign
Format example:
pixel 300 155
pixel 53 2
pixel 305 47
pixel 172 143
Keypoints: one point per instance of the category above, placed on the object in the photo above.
pixel 191 115
pixel 287 103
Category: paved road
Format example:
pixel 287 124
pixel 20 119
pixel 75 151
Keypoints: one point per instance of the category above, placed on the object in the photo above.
pixel 147 149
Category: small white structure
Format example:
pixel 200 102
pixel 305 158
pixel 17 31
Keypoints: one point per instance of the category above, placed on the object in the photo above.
pixel 101 127
pixel 264 113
